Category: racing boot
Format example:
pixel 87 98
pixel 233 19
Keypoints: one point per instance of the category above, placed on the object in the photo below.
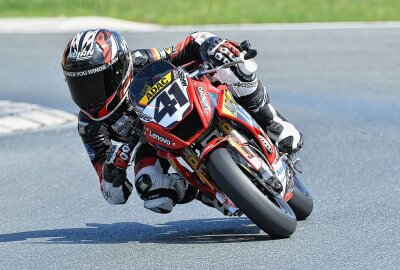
pixel 285 136
pixel 212 203
pixel 161 192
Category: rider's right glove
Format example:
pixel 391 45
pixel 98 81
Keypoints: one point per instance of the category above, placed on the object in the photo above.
pixel 115 186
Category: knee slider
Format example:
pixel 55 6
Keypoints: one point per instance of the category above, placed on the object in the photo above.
pixel 143 184
pixel 157 197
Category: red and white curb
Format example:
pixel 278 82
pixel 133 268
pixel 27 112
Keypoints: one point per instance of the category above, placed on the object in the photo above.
pixel 18 116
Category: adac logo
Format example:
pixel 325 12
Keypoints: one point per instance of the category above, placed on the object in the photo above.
pixel 151 92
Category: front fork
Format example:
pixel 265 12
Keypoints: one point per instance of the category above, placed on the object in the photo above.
pixel 276 177
pixel 272 170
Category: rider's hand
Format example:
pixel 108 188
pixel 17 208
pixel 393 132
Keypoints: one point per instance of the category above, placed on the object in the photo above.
pixel 140 59
pixel 115 186
pixel 220 51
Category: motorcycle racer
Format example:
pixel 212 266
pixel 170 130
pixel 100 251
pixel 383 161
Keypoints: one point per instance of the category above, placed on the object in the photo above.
pixel 99 67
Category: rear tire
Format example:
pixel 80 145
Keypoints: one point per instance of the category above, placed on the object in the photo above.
pixel 277 219
pixel 302 202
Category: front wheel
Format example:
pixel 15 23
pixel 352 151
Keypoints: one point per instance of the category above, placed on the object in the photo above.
pixel 302 201
pixel 276 218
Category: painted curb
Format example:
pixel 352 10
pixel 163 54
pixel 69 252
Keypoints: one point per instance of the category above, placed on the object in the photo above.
pixel 69 24
pixel 18 116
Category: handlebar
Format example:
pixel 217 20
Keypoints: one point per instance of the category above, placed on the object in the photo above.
pixel 250 54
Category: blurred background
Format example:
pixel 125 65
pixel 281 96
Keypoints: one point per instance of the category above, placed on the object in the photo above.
pixel 209 11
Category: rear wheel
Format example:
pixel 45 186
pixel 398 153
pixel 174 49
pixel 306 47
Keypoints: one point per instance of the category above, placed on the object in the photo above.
pixel 302 201
pixel 273 215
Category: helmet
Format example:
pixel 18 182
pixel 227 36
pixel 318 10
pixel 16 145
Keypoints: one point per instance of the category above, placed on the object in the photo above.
pixel 98 69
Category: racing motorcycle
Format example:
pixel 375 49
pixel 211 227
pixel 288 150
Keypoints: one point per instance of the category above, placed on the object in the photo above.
pixel 218 147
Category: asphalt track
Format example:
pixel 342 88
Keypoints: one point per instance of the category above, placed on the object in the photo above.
pixel 340 87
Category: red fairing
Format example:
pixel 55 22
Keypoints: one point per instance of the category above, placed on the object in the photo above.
pixel 203 87
pixel 256 130
pixel 200 102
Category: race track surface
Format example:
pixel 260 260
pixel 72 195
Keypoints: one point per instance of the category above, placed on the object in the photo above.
pixel 341 88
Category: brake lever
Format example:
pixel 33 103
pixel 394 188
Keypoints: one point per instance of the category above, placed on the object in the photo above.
pixel 250 54
pixel 198 72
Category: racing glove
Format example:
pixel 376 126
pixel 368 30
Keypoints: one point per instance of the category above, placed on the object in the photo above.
pixel 142 57
pixel 218 51
pixel 115 186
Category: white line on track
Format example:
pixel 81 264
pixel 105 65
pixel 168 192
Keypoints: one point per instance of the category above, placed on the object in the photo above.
pixel 76 24
pixel 288 26
pixel 18 116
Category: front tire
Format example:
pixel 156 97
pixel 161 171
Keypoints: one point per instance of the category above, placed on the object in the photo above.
pixel 276 219
pixel 302 202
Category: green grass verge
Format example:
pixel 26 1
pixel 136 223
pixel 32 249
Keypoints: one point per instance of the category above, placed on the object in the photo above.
pixel 210 11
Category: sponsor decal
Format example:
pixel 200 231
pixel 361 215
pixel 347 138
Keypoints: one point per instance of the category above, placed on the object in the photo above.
pixel 90 151
pixel 137 109
pixel 144 117
pixel 266 144
pixel 82 54
pixel 230 103
pixel 151 92
pixel 159 138
pixel 279 171
pixel 88 72
pixel 123 126
pixel 203 98
pixel 213 98
pixel 247 84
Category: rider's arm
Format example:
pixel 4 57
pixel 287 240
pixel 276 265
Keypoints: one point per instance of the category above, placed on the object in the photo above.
pixel 188 49
pixel 184 52
pixel 96 140
pixel 106 159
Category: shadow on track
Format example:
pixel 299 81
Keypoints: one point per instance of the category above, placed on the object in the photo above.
pixel 198 231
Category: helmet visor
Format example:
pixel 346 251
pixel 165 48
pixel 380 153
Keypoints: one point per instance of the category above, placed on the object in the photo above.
pixel 94 86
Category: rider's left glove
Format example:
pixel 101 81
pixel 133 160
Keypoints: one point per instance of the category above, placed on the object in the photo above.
pixel 220 51
pixel 115 186
pixel 140 59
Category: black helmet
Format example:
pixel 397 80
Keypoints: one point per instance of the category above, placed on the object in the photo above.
pixel 98 67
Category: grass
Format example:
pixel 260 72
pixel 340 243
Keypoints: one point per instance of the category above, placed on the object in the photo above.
pixel 210 11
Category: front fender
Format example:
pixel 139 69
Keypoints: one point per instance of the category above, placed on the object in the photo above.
pixel 212 145
pixel 234 140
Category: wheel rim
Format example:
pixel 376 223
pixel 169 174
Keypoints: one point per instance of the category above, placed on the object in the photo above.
pixel 277 200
